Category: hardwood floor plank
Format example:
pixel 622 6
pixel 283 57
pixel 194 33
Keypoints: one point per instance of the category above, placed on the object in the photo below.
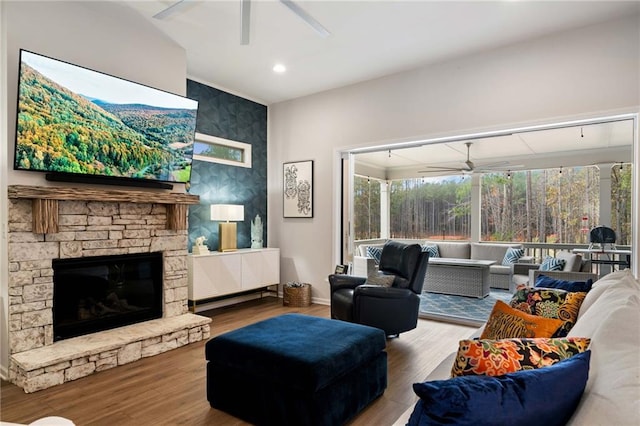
pixel 170 388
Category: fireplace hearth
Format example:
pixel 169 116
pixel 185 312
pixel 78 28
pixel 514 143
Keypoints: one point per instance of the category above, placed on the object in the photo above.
pixel 100 293
pixel 48 225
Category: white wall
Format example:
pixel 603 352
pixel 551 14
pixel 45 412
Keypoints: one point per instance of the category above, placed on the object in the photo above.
pixel 96 35
pixel 4 256
pixel 576 74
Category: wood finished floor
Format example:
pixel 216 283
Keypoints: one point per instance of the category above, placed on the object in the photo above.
pixel 169 388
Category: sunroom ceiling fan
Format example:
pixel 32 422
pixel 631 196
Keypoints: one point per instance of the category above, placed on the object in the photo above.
pixel 245 17
pixel 470 167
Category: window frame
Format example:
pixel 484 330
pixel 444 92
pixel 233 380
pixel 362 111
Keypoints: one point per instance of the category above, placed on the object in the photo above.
pixel 215 140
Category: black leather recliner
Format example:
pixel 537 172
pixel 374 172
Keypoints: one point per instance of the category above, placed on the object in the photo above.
pixel 393 309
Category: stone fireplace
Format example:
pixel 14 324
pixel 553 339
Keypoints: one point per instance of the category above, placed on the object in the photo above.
pixel 47 225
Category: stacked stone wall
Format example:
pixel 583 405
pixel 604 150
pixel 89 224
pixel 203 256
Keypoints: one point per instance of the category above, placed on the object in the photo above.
pixel 86 228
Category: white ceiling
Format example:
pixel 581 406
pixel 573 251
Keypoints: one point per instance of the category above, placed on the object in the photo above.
pixel 609 142
pixel 369 39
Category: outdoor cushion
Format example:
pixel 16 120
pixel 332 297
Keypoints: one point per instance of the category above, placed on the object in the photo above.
pixel 432 249
pixel 500 269
pixel 454 250
pixel 552 264
pixel 489 251
pixel 512 255
pixel 374 252
pixel 572 261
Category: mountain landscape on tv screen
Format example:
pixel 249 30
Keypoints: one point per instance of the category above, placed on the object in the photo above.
pixel 62 131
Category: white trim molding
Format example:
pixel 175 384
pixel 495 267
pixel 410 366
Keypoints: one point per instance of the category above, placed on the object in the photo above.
pixel 227 143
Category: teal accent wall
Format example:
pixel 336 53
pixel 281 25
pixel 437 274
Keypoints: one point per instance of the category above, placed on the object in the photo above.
pixel 231 117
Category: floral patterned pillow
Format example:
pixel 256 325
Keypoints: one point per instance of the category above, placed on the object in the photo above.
pixel 506 322
pixel 549 303
pixel 498 357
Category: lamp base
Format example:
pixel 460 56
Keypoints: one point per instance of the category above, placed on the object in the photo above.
pixel 228 236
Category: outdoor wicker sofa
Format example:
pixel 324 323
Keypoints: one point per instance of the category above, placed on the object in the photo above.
pixel 500 276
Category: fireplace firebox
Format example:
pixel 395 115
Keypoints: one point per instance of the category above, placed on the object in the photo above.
pixel 92 294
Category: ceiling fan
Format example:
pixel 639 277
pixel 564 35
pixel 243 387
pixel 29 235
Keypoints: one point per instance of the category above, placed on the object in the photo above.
pixel 245 17
pixel 470 167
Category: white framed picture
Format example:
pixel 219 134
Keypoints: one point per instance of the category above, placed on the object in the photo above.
pixel 298 189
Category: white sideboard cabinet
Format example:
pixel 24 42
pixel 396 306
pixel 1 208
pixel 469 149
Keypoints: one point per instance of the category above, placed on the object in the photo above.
pixel 226 273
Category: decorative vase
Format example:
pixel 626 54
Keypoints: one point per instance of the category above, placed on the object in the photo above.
pixel 256 233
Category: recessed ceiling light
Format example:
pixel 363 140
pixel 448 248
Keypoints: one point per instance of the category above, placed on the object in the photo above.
pixel 279 68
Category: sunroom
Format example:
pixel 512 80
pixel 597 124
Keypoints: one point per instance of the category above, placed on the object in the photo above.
pixel 545 187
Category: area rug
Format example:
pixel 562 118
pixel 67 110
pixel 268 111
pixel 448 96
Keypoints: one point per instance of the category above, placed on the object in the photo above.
pixel 460 309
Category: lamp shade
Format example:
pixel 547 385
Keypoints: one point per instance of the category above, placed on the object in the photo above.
pixel 227 212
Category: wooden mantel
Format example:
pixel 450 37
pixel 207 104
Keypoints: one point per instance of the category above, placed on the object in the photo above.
pixel 45 202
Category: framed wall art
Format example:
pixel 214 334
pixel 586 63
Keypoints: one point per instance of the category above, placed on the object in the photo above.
pixel 342 269
pixel 298 189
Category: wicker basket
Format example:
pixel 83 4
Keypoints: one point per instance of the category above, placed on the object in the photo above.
pixel 296 297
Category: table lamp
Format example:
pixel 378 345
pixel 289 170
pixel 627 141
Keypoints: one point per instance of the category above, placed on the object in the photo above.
pixel 228 215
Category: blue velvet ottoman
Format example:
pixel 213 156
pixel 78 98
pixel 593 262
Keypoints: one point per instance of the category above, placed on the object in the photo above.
pixel 296 369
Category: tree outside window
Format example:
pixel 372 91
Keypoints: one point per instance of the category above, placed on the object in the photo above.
pixel 552 205
pixel 366 203
pixel 546 206
pixel 431 208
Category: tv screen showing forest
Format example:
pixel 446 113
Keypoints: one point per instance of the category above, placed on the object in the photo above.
pixel 74 120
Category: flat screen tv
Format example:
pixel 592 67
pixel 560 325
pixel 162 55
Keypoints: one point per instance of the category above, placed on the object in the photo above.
pixel 73 121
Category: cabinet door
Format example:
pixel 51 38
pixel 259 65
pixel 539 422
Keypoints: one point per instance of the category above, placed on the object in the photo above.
pixel 251 270
pixel 260 268
pixel 215 276
pixel 271 267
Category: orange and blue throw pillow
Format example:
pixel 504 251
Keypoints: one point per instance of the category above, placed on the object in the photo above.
pixel 498 357
pixel 549 303
pixel 506 322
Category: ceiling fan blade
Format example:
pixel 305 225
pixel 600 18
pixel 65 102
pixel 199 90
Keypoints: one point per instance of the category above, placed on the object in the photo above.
pixel 174 8
pixel 492 165
pixel 499 169
pixel 245 21
pixel 441 169
pixel 308 19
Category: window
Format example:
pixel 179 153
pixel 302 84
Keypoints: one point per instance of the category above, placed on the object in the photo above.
pixel 621 203
pixel 221 151
pixel 433 208
pixel 554 205
pixel 366 194
pixel 558 205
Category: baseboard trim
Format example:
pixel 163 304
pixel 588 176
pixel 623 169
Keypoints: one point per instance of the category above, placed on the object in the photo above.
pixel 320 301
pixel 200 307
pixel 4 373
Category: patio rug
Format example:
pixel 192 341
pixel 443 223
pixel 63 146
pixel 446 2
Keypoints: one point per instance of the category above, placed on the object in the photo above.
pixel 460 309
